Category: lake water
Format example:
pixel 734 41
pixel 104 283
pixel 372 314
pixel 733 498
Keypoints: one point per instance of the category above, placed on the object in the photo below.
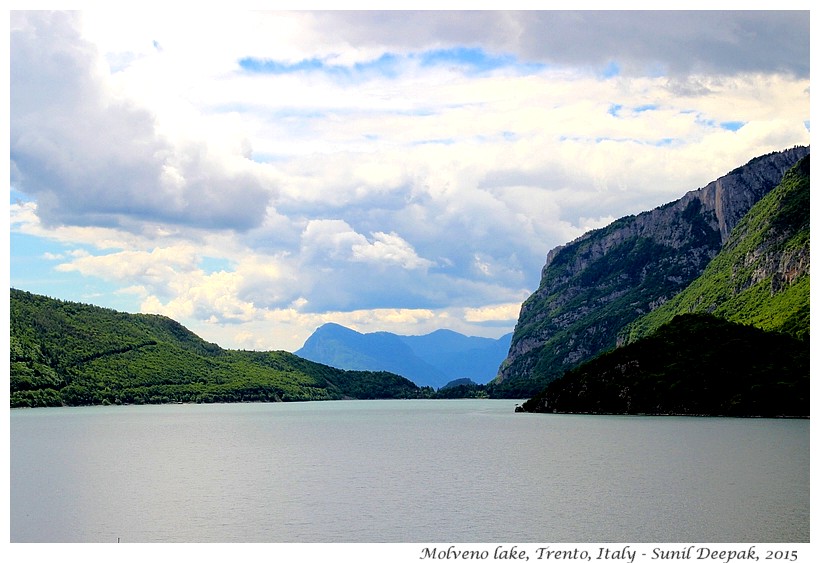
pixel 402 471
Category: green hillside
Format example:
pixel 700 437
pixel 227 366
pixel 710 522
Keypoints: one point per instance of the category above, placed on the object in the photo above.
pixel 761 276
pixel 65 353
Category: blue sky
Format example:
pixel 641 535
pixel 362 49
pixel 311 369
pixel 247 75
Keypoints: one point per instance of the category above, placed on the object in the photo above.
pixel 255 175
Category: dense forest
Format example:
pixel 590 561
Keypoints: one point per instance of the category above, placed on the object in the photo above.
pixel 697 364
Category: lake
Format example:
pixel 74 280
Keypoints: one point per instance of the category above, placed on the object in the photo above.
pixel 402 471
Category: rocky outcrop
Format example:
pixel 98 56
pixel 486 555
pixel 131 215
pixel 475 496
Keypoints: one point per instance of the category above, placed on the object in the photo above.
pixel 594 286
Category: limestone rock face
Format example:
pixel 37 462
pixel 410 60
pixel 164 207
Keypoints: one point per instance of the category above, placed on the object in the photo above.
pixel 594 286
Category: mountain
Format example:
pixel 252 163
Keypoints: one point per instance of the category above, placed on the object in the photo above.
pixel 430 360
pixel 460 356
pixel 65 353
pixel 734 342
pixel 595 286
pixel 341 347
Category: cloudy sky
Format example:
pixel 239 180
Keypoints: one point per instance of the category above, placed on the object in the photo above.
pixel 254 175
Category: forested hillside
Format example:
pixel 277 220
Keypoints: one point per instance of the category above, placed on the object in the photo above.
pixel 65 353
pixel 696 364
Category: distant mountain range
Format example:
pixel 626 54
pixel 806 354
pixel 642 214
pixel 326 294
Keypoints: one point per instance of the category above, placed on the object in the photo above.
pixel 432 360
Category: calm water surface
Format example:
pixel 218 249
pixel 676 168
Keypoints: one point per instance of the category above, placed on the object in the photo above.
pixel 402 471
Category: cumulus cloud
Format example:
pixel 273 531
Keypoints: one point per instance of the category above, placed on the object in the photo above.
pixel 171 280
pixel 402 171
pixel 389 249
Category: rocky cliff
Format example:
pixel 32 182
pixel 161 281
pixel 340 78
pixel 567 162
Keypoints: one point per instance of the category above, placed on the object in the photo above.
pixel 594 286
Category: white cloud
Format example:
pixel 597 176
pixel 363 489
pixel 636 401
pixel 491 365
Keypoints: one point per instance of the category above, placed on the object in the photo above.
pixel 92 157
pixel 389 249
pixel 378 188
pixel 507 312
pixel 329 239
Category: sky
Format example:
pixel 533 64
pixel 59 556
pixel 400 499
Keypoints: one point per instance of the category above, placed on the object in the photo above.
pixel 254 175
